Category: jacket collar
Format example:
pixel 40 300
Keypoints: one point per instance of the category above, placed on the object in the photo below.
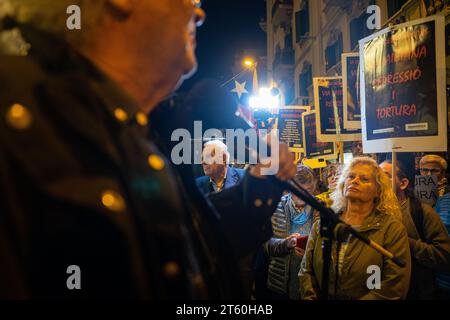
pixel 373 222
pixel 232 177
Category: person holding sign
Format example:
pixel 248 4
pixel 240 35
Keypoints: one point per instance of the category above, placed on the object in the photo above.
pixel 428 239
pixel 363 199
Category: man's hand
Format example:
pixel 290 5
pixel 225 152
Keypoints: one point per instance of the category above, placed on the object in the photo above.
pixel 286 166
pixel 291 241
pixel 299 252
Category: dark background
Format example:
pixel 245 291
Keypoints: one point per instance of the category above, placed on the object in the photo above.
pixel 230 27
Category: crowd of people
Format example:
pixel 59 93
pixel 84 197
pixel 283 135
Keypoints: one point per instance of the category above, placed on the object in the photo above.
pixel 87 185
pixel 362 194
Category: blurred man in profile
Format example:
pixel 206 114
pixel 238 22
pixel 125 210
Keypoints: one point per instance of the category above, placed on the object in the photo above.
pixel 82 187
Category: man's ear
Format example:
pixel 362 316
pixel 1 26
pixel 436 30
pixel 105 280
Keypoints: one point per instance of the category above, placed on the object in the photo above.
pixel 404 183
pixel 122 8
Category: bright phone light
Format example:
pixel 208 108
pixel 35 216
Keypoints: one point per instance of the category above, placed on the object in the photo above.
pixel 265 100
pixel 253 102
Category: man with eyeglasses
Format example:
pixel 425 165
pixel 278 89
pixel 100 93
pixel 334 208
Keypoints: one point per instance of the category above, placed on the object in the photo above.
pixel 90 208
pixel 435 165
pixel 428 240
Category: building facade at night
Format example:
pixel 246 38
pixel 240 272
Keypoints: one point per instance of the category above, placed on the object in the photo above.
pixel 305 38
pixel 280 49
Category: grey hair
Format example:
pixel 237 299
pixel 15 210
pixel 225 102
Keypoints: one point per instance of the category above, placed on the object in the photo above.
pixel 51 15
pixel 434 159
pixel 219 146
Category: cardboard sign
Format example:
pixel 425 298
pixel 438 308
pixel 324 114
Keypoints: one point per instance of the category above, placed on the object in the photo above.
pixel 315 163
pixel 425 189
pixel 350 86
pixel 291 127
pixel 314 148
pixel 403 93
pixel 328 98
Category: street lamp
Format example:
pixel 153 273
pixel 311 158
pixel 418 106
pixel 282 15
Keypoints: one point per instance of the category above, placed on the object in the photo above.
pixel 248 63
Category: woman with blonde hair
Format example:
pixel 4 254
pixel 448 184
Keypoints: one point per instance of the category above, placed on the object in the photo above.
pixel 363 199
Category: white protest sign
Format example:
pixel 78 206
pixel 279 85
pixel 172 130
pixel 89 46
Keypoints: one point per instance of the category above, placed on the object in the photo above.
pixel 425 189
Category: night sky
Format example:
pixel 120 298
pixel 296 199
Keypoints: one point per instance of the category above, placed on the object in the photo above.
pixel 231 25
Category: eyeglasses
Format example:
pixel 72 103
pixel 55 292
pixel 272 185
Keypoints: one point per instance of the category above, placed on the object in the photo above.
pixel 199 14
pixel 197 3
pixel 432 171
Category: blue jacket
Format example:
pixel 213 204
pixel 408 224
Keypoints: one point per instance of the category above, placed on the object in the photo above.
pixel 234 176
pixel 443 209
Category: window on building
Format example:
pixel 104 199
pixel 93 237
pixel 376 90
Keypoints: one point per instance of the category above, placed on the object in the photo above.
pixel 302 21
pixel 333 52
pixel 358 29
pixel 288 41
pixel 394 6
pixel 289 94
pixel 305 80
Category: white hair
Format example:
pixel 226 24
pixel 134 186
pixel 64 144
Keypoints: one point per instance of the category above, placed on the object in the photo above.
pixel 219 149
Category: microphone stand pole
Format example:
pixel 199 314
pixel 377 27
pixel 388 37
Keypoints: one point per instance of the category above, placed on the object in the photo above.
pixel 332 227
pixel 235 77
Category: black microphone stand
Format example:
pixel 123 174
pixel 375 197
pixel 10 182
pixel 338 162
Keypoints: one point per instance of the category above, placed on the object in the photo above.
pixel 331 227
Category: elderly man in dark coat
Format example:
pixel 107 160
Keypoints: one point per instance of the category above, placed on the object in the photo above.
pixel 90 208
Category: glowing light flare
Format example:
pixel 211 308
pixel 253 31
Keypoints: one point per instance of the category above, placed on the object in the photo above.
pixel 248 63
pixel 265 100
